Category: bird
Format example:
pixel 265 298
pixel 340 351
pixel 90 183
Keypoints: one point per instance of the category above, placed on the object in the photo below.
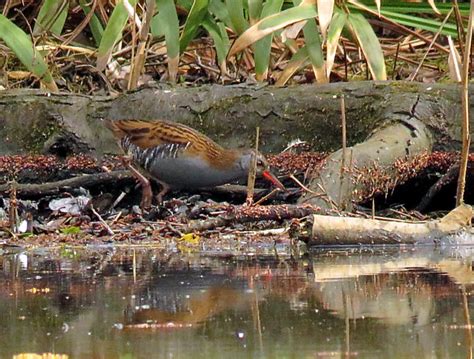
pixel 180 157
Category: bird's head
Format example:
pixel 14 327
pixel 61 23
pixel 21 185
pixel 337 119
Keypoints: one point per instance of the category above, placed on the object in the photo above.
pixel 263 168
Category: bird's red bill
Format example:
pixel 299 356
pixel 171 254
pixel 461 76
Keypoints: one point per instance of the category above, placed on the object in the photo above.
pixel 272 178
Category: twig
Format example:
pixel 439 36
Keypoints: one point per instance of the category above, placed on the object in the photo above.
pixel 50 188
pixel 466 137
pixel 252 171
pixel 264 198
pixel 413 75
pixel 13 208
pixel 245 214
pixel 344 147
pixel 447 178
pixel 304 187
pixel 104 223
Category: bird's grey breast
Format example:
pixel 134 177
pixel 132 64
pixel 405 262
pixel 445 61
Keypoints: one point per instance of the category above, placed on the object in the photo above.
pixel 170 164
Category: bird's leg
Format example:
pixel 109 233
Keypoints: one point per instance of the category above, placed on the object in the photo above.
pixel 147 193
pixel 164 190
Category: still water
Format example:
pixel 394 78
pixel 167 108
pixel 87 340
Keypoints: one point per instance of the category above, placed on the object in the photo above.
pixel 146 303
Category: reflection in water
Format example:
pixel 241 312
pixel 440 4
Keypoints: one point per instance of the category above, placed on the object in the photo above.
pixel 142 303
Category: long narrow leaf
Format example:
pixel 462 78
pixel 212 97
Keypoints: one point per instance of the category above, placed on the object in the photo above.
pixel 325 11
pixel 52 16
pixel 221 40
pixel 193 22
pixel 299 60
pixel 219 9
pixel 255 10
pixel 314 47
pixel 334 32
pixel 236 13
pixel 94 24
pixel 369 44
pixel 266 26
pixel 168 20
pixel 315 52
pixel 19 42
pixel 421 23
pixel 112 33
pixel 262 47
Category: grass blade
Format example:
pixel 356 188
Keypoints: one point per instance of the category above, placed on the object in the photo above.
pixel 314 46
pixel 20 43
pixel 299 60
pixel 219 9
pixel 193 21
pixel 334 32
pixel 369 45
pixel 94 24
pixel 169 23
pixel 112 33
pixel 236 13
pixel 221 41
pixel 262 47
pixel 266 26
pixel 255 10
pixel 51 17
pixel 325 11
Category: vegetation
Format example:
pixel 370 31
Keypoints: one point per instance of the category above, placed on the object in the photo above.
pixel 85 46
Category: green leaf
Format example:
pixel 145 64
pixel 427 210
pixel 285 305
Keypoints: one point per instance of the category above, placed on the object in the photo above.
pixel 422 23
pixel 262 48
pixel 20 43
pixel 169 25
pixel 112 33
pixel 187 4
pixel 255 10
pixel 334 32
pixel 94 24
pixel 70 230
pixel 219 9
pixel 193 22
pixel 369 44
pixel 221 41
pixel 298 60
pixel 268 25
pixel 236 13
pixel 51 17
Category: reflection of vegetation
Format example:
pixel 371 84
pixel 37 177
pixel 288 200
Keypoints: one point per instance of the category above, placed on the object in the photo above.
pixel 274 308
pixel 135 33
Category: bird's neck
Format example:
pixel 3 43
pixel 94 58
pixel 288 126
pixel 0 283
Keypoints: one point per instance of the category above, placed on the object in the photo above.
pixel 224 159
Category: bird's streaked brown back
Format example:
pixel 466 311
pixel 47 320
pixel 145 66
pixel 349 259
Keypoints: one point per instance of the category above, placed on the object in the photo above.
pixel 150 134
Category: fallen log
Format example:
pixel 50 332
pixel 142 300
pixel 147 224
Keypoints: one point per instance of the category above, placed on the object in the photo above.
pixel 65 123
pixel 331 230
pixel 33 190
pixel 246 214
pixel 346 174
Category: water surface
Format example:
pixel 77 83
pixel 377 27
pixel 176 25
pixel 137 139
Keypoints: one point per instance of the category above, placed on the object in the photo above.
pixel 146 303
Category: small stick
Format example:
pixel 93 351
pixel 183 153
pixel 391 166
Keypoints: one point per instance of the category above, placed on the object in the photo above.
pixel 395 62
pixel 13 209
pixel 373 208
pixel 252 172
pixel 303 186
pixel 466 137
pixel 264 198
pixel 344 133
pixel 344 147
pixel 117 217
pixel 118 200
pixel 104 223
pixel 413 75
